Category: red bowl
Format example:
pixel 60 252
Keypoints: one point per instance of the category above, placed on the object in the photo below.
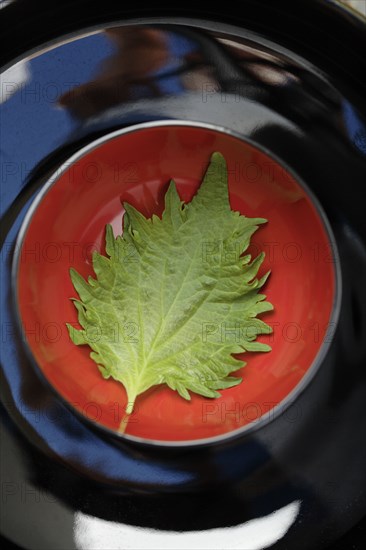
pixel 67 221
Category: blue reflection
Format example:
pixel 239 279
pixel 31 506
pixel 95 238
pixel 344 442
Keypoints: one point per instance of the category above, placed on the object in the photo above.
pixel 50 76
pixel 179 47
pixel 356 128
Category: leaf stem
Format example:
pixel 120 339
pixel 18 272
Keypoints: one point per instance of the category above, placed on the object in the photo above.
pixel 130 405
pixel 123 425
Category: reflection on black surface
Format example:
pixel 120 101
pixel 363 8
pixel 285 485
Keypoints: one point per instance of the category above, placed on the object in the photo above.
pixel 147 63
pixel 169 72
pixel 153 63
pixel 263 508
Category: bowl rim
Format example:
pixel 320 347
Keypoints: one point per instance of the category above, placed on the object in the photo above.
pixel 242 431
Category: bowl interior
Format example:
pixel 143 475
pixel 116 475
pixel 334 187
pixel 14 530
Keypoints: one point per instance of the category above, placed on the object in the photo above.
pixel 136 166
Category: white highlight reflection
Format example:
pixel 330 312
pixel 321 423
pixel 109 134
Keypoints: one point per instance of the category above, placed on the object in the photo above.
pixel 96 534
pixel 13 79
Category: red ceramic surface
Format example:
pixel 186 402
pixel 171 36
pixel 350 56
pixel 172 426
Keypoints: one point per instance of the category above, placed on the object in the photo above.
pixel 136 167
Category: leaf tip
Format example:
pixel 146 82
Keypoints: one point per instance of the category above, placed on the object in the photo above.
pixel 74 275
pixel 217 157
pixel 76 336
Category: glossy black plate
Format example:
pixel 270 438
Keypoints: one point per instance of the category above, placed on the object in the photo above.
pixel 297 72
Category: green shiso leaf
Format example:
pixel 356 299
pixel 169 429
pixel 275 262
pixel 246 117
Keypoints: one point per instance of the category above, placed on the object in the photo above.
pixel 175 297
